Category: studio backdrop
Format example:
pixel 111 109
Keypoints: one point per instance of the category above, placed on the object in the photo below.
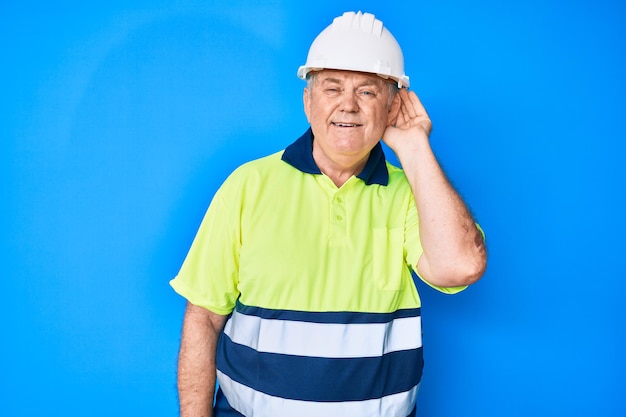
pixel 119 119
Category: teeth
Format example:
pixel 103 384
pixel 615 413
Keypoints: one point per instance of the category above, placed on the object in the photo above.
pixel 346 124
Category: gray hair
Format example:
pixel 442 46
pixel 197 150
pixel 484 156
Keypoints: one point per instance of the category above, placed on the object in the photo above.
pixel 311 78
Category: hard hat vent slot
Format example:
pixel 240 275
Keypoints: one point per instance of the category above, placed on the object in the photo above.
pixel 365 22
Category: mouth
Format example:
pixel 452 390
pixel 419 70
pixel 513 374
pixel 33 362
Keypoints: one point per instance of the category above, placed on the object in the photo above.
pixel 342 124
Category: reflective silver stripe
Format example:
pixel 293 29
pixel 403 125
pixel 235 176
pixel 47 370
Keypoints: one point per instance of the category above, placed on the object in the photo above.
pixel 257 404
pixel 326 340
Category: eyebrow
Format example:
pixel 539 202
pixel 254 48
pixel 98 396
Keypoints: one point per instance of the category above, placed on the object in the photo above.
pixel 331 80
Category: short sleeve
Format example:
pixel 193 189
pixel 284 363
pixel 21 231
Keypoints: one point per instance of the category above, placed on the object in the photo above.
pixel 414 249
pixel 412 241
pixel 209 274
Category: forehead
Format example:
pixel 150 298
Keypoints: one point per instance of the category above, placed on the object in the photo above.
pixel 339 76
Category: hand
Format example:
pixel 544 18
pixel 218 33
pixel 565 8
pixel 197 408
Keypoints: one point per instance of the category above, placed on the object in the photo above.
pixel 454 252
pixel 408 120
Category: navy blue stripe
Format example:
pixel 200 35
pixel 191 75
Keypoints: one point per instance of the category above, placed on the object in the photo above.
pixel 340 317
pixel 320 379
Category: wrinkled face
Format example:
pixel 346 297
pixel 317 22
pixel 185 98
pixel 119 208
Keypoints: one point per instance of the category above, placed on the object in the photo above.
pixel 348 112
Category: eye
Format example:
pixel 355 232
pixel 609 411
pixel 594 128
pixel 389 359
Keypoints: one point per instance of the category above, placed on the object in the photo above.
pixel 367 93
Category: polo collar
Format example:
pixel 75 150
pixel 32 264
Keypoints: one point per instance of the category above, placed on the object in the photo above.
pixel 300 155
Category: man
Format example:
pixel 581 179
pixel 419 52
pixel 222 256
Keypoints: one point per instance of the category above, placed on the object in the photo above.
pixel 299 286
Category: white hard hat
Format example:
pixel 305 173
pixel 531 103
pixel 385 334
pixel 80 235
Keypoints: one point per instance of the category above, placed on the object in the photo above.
pixel 357 42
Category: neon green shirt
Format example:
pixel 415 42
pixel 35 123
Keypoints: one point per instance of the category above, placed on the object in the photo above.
pixel 278 236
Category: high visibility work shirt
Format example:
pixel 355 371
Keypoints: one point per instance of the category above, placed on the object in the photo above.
pixel 324 314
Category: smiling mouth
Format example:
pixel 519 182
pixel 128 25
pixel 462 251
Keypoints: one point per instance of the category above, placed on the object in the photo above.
pixel 340 124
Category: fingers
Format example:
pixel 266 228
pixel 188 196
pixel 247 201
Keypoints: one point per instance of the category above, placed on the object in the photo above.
pixel 407 111
pixel 411 104
pixel 412 112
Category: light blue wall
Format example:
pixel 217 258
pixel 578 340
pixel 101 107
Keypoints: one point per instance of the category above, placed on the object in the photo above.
pixel 118 120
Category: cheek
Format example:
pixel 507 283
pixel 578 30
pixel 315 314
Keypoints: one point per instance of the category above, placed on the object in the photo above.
pixel 379 117
pixel 318 111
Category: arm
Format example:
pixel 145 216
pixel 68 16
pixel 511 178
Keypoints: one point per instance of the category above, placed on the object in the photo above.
pixel 454 250
pixel 196 361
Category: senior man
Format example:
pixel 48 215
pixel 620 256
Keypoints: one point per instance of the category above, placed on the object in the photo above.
pixel 301 299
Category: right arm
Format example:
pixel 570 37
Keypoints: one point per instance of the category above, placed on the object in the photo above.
pixel 196 361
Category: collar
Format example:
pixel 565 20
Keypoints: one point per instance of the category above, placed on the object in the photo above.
pixel 300 155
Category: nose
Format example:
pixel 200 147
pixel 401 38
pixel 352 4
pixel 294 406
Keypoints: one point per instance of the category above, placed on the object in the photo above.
pixel 349 102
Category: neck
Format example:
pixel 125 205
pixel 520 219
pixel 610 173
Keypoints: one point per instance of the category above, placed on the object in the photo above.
pixel 339 170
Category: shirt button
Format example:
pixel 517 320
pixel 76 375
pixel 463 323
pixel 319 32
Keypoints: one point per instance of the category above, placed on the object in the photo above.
pixel 339 200
pixel 339 217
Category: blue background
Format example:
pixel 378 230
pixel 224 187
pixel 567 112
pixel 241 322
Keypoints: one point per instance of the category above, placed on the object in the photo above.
pixel 119 119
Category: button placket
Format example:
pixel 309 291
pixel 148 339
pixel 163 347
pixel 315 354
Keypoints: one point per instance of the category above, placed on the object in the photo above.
pixel 338 214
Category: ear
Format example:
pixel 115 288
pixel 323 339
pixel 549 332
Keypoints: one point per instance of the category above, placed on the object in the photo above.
pixel 394 109
pixel 307 103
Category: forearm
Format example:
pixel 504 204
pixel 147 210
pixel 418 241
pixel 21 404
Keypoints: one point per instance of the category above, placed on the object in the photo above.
pixel 454 250
pixel 196 362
